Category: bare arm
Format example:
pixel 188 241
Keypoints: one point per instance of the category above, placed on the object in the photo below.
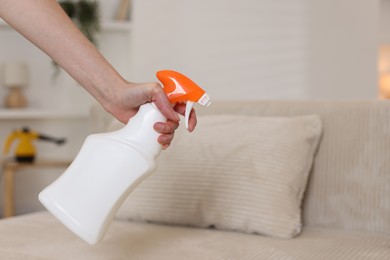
pixel 46 25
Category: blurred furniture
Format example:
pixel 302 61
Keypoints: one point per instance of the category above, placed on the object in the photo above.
pixel 16 77
pixel 10 167
pixel 345 211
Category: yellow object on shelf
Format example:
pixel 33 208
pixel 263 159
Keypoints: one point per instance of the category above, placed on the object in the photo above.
pixel 25 150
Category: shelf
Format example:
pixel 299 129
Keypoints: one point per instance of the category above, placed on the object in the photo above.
pixel 29 113
pixel 108 26
pixel 116 26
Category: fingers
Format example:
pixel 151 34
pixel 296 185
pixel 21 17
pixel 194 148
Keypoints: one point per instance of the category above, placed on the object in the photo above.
pixel 158 96
pixel 125 103
pixel 167 131
pixel 167 127
pixel 165 140
pixel 155 93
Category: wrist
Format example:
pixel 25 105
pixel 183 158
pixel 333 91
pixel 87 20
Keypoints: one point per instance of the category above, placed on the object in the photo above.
pixel 107 90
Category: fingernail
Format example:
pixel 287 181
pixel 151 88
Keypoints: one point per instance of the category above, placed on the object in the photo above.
pixel 159 127
pixel 177 117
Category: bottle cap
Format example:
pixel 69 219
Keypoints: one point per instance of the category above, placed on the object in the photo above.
pixel 179 89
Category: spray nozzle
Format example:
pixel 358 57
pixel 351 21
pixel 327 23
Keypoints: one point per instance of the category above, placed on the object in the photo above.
pixel 179 88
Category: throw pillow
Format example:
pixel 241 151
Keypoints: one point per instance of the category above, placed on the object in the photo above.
pixel 233 172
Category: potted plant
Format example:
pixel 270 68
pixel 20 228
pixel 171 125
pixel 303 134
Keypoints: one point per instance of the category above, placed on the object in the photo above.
pixel 85 14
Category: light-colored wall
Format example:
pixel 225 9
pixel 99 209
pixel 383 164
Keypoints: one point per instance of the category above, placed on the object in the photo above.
pixel 384 35
pixel 343 49
pixel 255 49
pixel 248 49
pixel 384 22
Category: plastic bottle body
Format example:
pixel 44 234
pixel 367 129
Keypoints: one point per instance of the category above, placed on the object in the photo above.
pixel 86 197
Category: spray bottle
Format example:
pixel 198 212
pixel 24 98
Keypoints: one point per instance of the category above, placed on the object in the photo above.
pixel 109 166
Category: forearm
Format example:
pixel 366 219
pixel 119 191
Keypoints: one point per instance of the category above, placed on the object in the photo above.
pixel 44 23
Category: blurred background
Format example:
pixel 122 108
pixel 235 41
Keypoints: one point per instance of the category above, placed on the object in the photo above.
pixel 246 50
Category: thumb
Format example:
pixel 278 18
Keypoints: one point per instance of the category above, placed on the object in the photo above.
pixel 158 96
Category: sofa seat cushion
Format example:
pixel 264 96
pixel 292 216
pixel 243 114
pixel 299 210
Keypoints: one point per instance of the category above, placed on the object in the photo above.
pixel 41 236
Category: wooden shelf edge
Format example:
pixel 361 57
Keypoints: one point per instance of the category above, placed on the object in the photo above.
pixel 116 26
pixel 14 114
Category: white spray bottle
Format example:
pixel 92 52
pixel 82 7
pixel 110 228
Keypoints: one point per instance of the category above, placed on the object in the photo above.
pixel 109 166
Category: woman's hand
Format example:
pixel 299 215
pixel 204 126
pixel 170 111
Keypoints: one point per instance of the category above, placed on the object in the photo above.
pixel 167 129
pixel 123 103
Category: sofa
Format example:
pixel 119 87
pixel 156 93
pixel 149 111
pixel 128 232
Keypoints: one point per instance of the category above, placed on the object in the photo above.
pixel 322 169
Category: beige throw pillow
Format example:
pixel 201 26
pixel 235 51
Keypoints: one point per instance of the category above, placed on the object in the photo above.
pixel 234 173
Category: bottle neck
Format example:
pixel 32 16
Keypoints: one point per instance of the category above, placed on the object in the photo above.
pixel 139 130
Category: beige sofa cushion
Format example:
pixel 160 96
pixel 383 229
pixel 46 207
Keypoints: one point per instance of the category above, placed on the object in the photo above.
pixel 41 236
pixel 349 184
pixel 235 173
